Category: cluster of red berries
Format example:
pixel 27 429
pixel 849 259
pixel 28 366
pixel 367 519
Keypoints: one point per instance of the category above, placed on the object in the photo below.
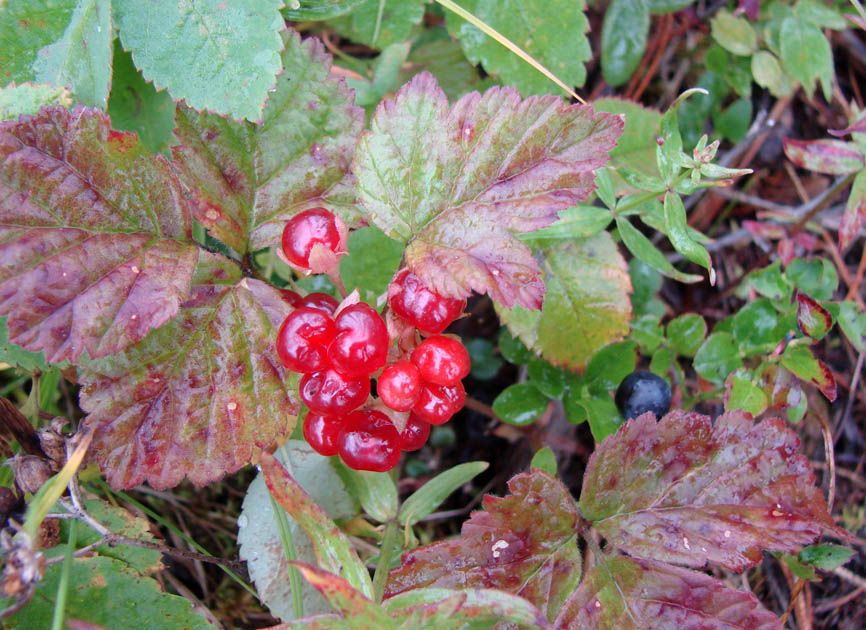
pixel 338 355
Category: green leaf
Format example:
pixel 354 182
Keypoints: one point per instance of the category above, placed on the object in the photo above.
pixel 586 305
pixel 610 365
pixel 642 247
pixel 623 39
pixel 686 333
pixel 107 593
pixel 803 363
pixel 513 349
pixel 218 56
pixel 386 68
pixel 757 327
pixel 768 73
pixel 636 147
pixel 806 55
pixel 29 98
pixel 81 58
pixel 134 105
pixel 660 7
pixel 852 321
pixel 826 557
pixel 576 222
pixel 26 26
pixel 16 356
pixel 855 211
pixel 485 362
pixel 735 70
pixel 428 497
pixel 248 180
pixel 549 380
pixel 572 403
pixel 201 396
pixel 604 418
pixel 816 278
pixel 456 185
pixel 820 15
pixel 520 404
pixel 732 123
pixel 661 361
pixel 717 358
pixel 303 10
pixel 742 393
pixel 553 32
pixel 375 491
pixel 544 459
pixel 365 24
pixel 812 318
pixel 647 331
pixel 372 260
pixel 334 551
pixel 359 612
pixel 445 60
pixel 645 281
pixel 259 537
pixel 770 282
pixel 734 33
pixel 677 231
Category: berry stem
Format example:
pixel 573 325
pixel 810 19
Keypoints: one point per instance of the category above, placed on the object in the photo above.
pixel 390 540
pixel 338 282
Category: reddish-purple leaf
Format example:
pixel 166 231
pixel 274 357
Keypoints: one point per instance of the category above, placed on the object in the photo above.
pixel 782 388
pixel 456 185
pixel 806 366
pixel 752 8
pixel 95 246
pixel 856 19
pixel 689 491
pixel 201 396
pixel 855 211
pixel 858 126
pixel 523 544
pixel 247 180
pixel 632 594
pixel 812 318
pixel 833 157
pixel 361 613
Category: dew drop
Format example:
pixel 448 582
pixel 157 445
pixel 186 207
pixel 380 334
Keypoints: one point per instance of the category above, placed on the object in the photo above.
pixel 135 269
pixel 294 5
pixel 777 513
pixel 498 546
pixel 597 604
pixel 727 533
pixel 232 406
pixel 213 215
pixel 134 317
pixel 64 274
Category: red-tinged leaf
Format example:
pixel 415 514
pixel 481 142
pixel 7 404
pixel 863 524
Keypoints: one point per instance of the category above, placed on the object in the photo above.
pixel 782 389
pixel 456 185
pixel 316 622
pixel 812 318
pixel 807 367
pixel 856 20
pixel 688 491
pixel 858 126
pixel 359 612
pixel 833 157
pixel 247 180
pixel 855 211
pixel 201 396
pixel 752 8
pixel 633 594
pixel 95 247
pixel 506 547
pixel 334 552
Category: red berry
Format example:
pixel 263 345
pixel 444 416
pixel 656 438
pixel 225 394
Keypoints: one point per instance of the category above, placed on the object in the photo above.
pixel 415 435
pixel 303 340
pixel 304 230
pixel 421 307
pixel 399 385
pixel 441 360
pixel 369 441
pixel 320 301
pixel 361 345
pixel 437 403
pixel 331 393
pixel 291 297
pixel 322 431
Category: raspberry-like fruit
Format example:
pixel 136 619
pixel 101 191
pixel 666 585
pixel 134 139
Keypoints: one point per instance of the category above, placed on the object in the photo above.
pixel 322 432
pixel 369 441
pixel 303 340
pixel 437 403
pixel 306 229
pixel 640 392
pixel 320 301
pixel 415 435
pixel 399 385
pixel 361 345
pixel 441 360
pixel 331 393
pixel 421 307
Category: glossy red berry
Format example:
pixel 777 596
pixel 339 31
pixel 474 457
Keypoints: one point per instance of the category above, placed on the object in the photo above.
pixel 437 403
pixel 369 441
pixel 441 360
pixel 290 297
pixel 329 392
pixel 421 307
pixel 399 385
pixel 361 345
pixel 306 229
pixel 415 435
pixel 320 301
pixel 322 432
pixel 303 340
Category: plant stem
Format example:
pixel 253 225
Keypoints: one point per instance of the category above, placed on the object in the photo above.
pixel 386 552
pixel 291 555
pixel 63 587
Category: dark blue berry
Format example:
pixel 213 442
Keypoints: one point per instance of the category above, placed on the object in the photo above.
pixel 640 392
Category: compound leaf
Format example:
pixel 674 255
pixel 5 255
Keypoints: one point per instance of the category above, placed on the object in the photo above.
pixel 247 180
pixel 506 547
pixel 456 185
pixel 94 235
pixel 634 594
pixel 200 397
pixel 230 51
pixel 689 491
